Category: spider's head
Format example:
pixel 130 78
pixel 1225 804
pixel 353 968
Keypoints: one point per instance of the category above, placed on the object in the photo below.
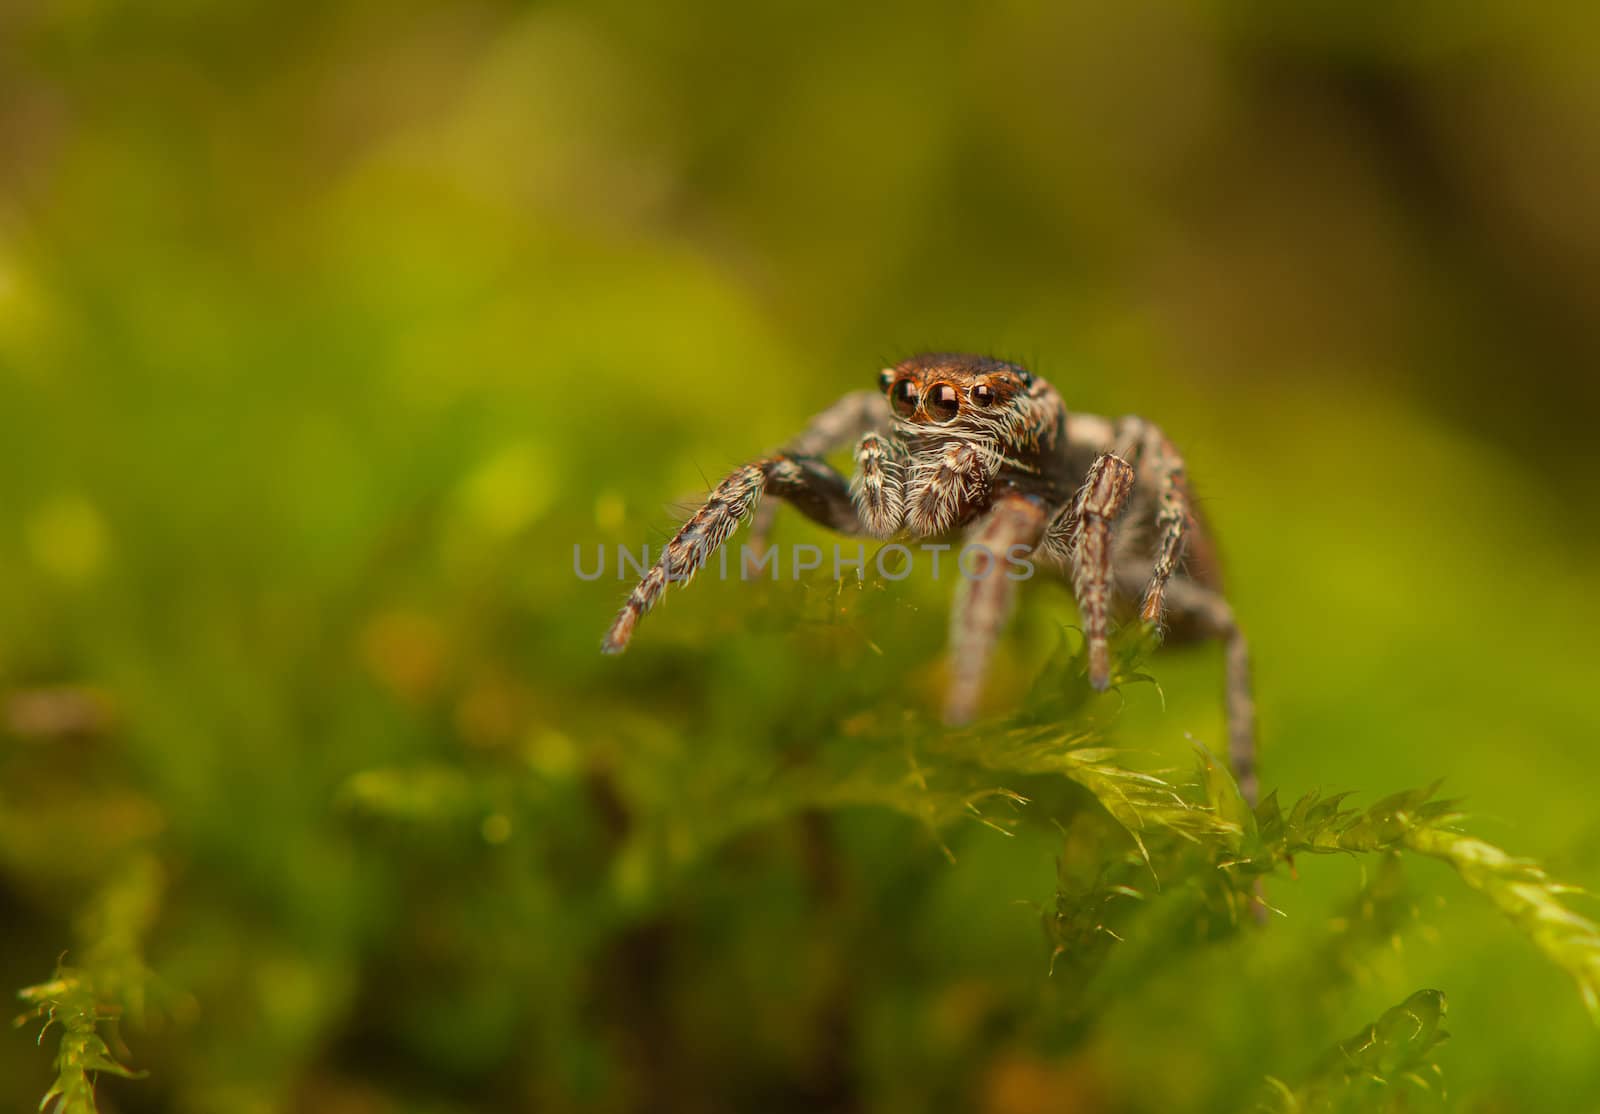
pixel 964 393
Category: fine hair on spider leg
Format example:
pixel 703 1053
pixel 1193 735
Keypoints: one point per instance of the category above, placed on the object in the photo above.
pixel 1081 533
pixel 686 553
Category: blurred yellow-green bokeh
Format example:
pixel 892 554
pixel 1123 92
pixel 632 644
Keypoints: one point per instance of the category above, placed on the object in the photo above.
pixel 328 330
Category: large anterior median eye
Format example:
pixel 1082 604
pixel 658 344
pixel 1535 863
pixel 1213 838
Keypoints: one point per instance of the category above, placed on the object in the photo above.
pixel 943 403
pixel 904 398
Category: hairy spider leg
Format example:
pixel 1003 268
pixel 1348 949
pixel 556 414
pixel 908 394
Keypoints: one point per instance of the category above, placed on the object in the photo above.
pixel 811 486
pixel 1081 532
pixel 983 600
pixel 1158 458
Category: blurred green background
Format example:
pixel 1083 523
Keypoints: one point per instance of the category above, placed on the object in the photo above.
pixel 326 331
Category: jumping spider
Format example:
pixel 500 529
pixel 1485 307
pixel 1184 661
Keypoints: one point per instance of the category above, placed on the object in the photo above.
pixel 964 441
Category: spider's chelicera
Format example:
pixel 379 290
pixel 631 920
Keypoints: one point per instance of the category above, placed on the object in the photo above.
pixel 952 441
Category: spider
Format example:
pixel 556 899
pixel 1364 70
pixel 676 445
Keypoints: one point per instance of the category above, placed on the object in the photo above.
pixel 954 441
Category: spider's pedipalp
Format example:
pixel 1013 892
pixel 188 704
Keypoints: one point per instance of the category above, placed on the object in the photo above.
pixel 878 487
pixel 943 485
pixel 853 415
pixel 983 600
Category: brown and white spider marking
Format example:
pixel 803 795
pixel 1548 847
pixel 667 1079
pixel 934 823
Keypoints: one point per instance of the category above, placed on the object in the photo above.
pixel 963 441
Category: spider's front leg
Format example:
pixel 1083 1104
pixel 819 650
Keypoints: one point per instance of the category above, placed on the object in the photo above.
pixel 1080 535
pixel 816 490
pixel 983 600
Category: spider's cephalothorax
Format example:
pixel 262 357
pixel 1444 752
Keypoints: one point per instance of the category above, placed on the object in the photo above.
pixel 956 425
pixel 963 441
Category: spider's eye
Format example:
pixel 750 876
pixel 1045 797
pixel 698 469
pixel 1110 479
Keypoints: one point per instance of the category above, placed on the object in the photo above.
pixel 943 402
pixel 904 398
pixel 982 395
pixel 885 378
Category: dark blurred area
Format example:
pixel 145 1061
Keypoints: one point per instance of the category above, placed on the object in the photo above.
pixel 327 330
pixel 1398 196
